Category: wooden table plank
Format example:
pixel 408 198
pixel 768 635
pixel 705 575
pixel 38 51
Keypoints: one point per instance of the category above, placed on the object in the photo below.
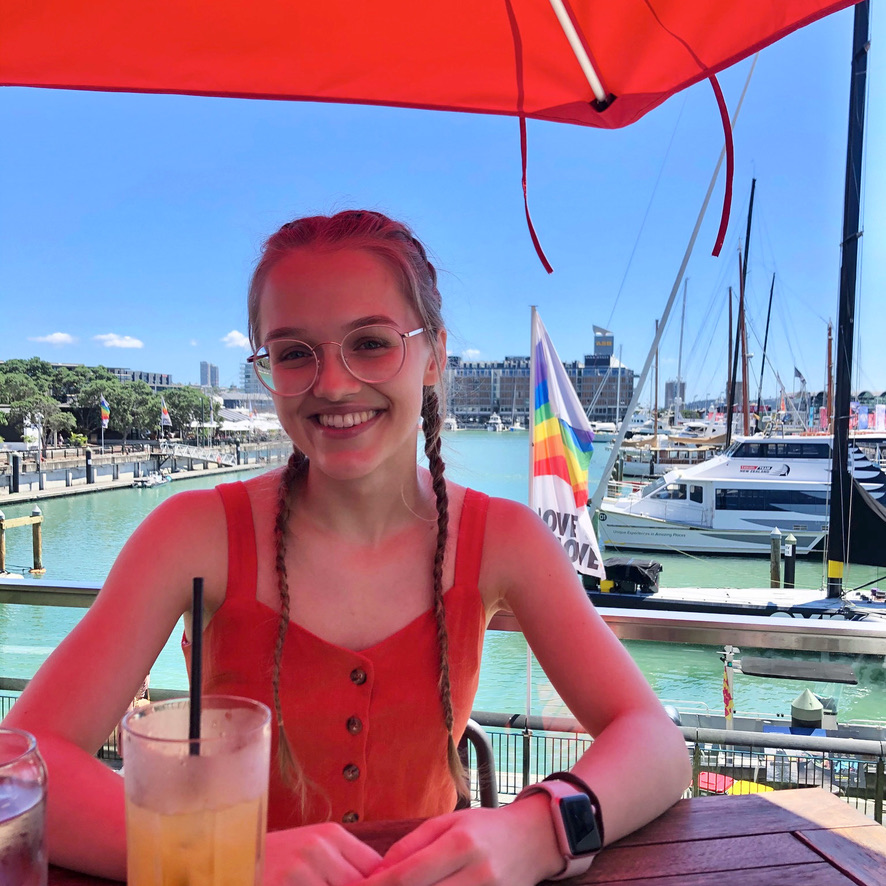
pixel 859 852
pixel 714 857
pixel 721 816
pixel 818 874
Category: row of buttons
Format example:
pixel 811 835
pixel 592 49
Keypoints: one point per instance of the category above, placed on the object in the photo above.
pixel 354 726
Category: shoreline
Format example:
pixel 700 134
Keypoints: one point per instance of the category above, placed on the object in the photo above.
pixel 92 472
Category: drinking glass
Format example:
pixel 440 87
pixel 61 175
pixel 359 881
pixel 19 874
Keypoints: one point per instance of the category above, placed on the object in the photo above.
pixel 23 858
pixel 196 810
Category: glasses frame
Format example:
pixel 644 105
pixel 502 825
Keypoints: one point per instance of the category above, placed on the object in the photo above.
pixel 263 354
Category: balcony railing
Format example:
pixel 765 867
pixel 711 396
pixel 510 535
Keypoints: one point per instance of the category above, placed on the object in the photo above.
pixel 527 749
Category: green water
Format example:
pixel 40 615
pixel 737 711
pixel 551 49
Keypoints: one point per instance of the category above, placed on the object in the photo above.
pixel 84 533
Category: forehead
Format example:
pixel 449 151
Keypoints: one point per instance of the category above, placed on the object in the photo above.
pixel 320 289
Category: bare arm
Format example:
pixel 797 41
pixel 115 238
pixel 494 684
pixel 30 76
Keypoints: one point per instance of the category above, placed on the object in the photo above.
pixel 525 570
pixel 76 699
pixel 591 671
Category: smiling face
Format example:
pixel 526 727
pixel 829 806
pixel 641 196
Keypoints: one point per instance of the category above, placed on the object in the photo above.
pixel 348 428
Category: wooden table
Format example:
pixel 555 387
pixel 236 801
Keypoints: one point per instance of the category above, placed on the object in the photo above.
pixel 782 838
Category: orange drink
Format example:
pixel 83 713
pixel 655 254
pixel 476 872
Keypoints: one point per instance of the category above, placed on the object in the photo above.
pixel 196 818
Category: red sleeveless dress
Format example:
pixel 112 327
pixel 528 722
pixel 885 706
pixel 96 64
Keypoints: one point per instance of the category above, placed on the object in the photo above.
pixel 366 726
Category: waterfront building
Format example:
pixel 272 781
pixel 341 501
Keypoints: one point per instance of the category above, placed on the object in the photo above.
pixel 478 388
pixel 208 374
pixel 249 382
pixel 673 391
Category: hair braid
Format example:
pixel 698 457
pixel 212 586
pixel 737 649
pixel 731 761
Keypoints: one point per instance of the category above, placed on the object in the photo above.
pixel 432 425
pixel 290 769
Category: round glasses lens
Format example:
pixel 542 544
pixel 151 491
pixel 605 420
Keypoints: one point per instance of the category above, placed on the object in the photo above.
pixel 289 367
pixel 374 353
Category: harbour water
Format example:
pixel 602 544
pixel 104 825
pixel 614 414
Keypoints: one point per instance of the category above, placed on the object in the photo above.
pixel 83 534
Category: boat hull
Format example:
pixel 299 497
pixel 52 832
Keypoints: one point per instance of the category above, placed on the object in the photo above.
pixel 637 532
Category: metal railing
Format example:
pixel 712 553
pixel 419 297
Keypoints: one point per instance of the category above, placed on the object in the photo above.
pixel 832 635
pixel 526 749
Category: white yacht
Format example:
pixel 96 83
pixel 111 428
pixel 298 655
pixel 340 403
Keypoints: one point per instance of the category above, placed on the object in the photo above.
pixel 495 423
pixel 730 503
pixel 450 423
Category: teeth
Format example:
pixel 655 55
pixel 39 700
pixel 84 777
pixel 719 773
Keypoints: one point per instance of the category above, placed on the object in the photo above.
pixel 348 420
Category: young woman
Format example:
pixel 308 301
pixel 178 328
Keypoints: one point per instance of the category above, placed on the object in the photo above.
pixel 350 592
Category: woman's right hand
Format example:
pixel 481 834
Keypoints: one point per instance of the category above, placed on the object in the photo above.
pixel 317 855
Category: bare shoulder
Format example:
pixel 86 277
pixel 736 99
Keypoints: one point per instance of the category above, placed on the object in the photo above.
pixel 520 555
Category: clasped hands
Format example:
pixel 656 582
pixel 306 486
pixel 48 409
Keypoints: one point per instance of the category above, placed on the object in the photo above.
pixel 511 846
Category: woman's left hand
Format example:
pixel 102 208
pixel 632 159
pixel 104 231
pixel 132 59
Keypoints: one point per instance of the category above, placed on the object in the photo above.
pixel 513 845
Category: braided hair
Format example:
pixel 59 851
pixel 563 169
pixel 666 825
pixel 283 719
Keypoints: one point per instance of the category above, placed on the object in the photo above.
pixel 395 244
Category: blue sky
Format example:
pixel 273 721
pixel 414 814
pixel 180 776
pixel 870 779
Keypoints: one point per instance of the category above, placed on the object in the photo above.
pixel 129 224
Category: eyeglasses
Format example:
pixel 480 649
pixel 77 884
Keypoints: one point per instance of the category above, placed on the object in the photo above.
pixel 372 354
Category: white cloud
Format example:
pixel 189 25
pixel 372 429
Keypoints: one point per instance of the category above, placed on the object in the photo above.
pixel 236 339
pixel 470 354
pixel 193 342
pixel 112 340
pixel 55 338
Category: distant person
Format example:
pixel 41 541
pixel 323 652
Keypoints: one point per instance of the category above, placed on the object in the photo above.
pixel 350 591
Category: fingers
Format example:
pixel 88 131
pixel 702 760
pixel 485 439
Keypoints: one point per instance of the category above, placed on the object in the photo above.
pixel 438 852
pixel 424 835
pixel 318 855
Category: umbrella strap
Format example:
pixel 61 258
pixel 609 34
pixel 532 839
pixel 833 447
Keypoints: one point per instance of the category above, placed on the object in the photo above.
pixel 730 164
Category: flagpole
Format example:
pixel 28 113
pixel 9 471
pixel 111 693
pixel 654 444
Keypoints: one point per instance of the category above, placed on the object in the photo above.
pixel 533 338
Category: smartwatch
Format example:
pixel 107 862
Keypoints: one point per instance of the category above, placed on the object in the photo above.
pixel 574 817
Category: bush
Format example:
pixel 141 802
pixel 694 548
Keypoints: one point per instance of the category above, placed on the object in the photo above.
pixel 78 440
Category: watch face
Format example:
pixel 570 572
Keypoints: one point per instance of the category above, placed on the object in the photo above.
pixel 580 824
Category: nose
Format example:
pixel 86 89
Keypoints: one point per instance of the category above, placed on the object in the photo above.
pixel 334 381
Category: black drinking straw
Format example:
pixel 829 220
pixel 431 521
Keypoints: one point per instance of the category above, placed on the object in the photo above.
pixel 196 667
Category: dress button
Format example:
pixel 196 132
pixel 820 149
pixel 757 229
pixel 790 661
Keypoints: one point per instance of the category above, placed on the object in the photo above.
pixel 350 817
pixel 355 725
pixel 351 772
pixel 358 676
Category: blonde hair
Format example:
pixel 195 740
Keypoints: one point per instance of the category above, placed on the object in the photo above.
pixel 396 245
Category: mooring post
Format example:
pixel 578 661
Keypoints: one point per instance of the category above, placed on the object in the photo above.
pixel 790 560
pixel 2 544
pixel 775 558
pixel 90 471
pixel 37 536
pixel 16 472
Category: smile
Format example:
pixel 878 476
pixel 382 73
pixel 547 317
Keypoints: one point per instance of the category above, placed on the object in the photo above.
pixel 348 420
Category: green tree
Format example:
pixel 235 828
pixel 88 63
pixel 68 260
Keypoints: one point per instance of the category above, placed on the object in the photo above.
pixel 60 422
pixel 15 386
pixel 88 408
pixel 39 371
pixel 186 405
pixel 132 405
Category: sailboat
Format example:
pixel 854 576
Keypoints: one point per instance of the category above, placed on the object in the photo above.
pixel 856 528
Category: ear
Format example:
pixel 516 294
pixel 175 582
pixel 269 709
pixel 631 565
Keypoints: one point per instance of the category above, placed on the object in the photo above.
pixel 436 360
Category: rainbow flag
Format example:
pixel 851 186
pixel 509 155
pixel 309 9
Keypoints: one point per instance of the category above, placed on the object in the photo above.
pixel 105 411
pixel 561 448
pixel 165 420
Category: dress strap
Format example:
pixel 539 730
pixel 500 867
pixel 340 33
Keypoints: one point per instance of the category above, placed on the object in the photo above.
pixel 471 531
pixel 242 557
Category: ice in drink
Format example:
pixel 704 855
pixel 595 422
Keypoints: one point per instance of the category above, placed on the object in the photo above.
pixel 23 859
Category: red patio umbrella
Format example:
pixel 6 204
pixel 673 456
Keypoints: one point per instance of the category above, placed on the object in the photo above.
pixel 598 63
pixel 508 57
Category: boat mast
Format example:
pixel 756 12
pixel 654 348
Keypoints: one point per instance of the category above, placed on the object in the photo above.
pixel 655 411
pixel 830 400
pixel 739 332
pixel 838 527
pixel 678 404
pixel 763 361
